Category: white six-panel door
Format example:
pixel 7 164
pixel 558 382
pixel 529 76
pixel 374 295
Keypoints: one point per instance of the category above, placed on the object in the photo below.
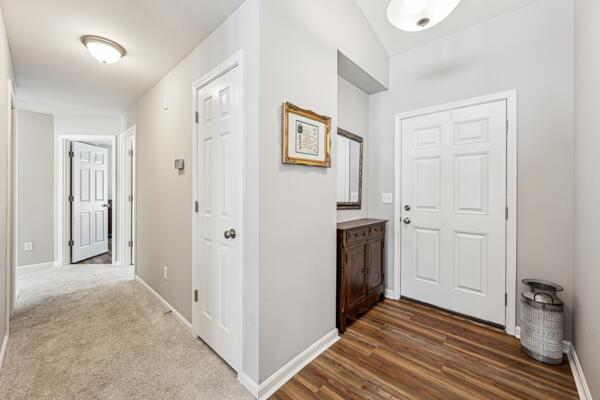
pixel 219 213
pixel 453 210
pixel 89 214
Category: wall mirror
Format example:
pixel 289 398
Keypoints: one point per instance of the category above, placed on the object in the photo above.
pixel 349 170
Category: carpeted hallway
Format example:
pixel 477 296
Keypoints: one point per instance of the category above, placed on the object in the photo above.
pixel 91 332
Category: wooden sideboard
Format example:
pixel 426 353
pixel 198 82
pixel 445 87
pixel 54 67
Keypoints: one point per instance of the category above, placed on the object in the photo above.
pixel 360 267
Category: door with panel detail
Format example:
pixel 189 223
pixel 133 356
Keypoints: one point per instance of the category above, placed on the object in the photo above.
pixel 89 207
pixel 219 216
pixel 453 210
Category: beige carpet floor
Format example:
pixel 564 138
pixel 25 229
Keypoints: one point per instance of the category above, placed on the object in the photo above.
pixel 91 332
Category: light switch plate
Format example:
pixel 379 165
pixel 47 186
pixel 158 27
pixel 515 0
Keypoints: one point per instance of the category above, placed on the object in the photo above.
pixel 387 198
pixel 28 246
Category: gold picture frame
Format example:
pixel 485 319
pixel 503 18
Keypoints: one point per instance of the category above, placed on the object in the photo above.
pixel 309 142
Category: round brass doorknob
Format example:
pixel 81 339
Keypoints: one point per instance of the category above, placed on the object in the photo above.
pixel 407 221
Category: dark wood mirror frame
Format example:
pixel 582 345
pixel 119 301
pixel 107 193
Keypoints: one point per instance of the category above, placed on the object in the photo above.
pixel 353 205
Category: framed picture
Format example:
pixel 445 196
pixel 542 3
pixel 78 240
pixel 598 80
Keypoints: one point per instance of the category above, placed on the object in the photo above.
pixel 306 137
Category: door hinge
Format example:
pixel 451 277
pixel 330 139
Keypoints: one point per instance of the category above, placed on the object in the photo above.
pixel 71 198
pixel 195 296
pixel 130 153
pixel 507 127
pixel 71 153
pixel 130 197
pixel 505 299
pixel 71 243
pixel 196 206
pixel 197 117
pixel 506 213
pixel 130 244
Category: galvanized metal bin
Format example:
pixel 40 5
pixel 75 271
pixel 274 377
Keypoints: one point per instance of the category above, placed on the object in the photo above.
pixel 542 321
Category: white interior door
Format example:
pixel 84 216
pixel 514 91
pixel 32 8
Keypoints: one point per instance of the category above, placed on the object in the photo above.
pixel 453 210
pixel 89 213
pixel 219 217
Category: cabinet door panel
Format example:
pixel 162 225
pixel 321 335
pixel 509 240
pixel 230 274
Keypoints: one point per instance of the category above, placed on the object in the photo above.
pixel 375 262
pixel 355 273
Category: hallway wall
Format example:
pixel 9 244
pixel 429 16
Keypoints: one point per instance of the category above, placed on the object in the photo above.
pixel 586 297
pixel 536 58
pixel 35 193
pixel 6 73
pixel 164 197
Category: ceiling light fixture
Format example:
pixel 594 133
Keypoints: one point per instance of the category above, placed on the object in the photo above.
pixel 419 15
pixel 104 50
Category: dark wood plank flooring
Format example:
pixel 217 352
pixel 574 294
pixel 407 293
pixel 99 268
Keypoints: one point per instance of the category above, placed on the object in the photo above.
pixel 105 258
pixel 403 350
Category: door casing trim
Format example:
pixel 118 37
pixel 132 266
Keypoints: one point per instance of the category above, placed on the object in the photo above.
pixel 511 192
pixel 62 207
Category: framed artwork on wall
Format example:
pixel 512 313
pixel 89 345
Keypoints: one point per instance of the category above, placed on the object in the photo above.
pixel 306 137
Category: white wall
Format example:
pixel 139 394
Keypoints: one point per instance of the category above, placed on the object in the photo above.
pixel 164 197
pixel 353 116
pixel 6 73
pixel 586 297
pixel 87 124
pixel 299 40
pixel 530 50
pixel 35 218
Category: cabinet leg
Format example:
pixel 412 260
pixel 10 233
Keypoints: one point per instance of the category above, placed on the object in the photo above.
pixel 341 325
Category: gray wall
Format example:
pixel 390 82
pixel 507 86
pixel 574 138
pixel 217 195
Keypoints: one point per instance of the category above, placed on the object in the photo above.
pixel 530 50
pixel 164 198
pixel 586 297
pixel 35 219
pixel 5 74
pixel 299 40
pixel 353 116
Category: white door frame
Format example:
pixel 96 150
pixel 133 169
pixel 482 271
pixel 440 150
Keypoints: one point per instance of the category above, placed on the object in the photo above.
pixel 62 225
pixel 511 192
pixel 237 60
pixel 122 192
pixel 10 206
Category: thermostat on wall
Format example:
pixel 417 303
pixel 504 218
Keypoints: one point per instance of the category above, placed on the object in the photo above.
pixel 179 164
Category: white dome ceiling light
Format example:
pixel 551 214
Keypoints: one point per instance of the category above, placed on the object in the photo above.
pixel 419 15
pixel 104 50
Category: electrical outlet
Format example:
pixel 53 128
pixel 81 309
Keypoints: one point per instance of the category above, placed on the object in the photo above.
pixel 28 246
pixel 165 273
pixel 387 198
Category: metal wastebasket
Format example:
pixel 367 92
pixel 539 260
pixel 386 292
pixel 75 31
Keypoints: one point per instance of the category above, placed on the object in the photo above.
pixel 542 321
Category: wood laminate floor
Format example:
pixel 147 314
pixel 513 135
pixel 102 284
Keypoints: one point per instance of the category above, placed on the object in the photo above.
pixel 402 350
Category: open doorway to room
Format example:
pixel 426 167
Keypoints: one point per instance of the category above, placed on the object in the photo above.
pixel 86 211
pixel 91 201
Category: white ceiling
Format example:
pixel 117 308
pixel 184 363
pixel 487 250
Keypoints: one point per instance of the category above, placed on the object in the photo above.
pixel 54 71
pixel 468 13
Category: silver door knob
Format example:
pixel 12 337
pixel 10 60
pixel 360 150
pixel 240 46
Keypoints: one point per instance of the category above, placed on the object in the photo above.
pixel 230 234
pixel 407 221
pixel 105 205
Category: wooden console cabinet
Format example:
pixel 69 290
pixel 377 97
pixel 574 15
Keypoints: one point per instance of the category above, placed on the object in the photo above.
pixel 360 267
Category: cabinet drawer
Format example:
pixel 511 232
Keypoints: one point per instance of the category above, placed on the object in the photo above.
pixel 376 230
pixel 356 235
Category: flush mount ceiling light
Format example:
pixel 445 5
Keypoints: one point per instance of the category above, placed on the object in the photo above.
pixel 104 50
pixel 418 15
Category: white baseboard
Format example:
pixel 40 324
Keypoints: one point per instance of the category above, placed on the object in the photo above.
pixel 287 372
pixel 582 387
pixel 389 294
pixel 40 265
pixel 248 384
pixel 4 346
pixel 176 313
